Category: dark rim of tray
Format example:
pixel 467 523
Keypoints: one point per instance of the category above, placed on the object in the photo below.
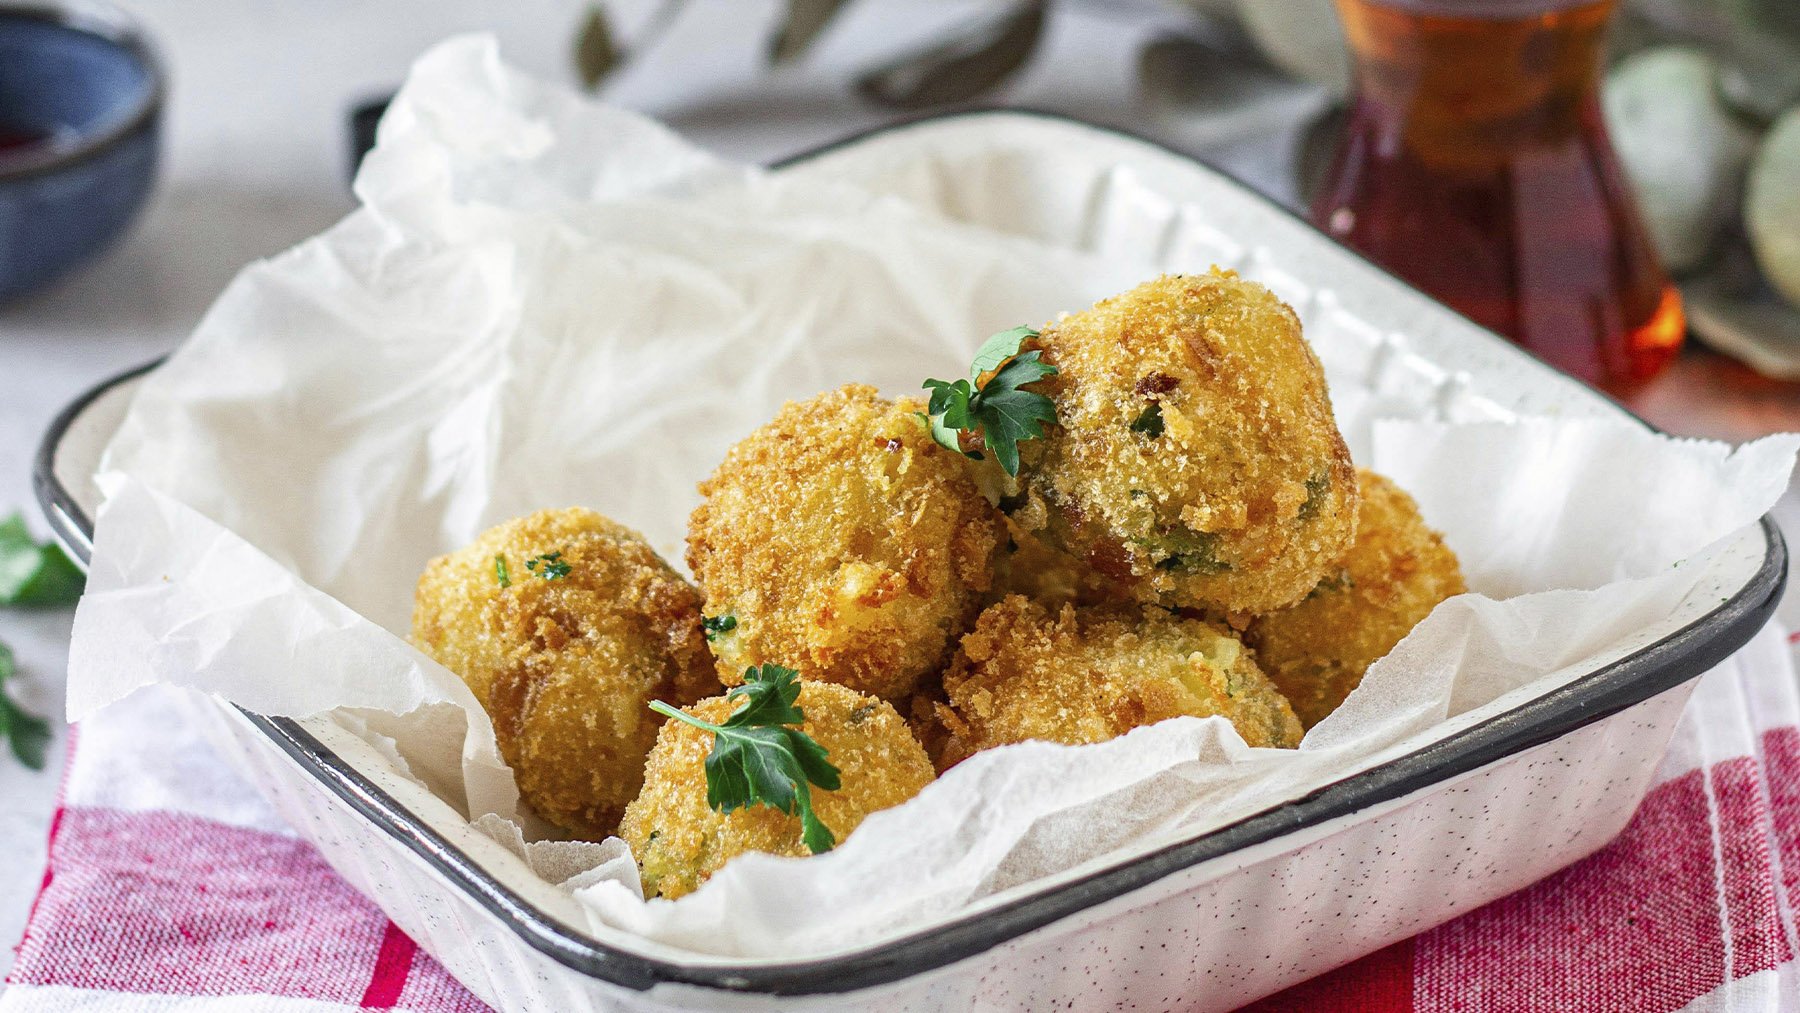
pixel 1631 680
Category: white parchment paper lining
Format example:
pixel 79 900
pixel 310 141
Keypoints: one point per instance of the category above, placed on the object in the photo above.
pixel 546 302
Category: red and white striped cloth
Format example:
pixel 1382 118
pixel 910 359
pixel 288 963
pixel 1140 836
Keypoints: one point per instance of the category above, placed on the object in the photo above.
pixel 171 885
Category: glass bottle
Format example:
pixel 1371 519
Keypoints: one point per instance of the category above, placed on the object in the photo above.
pixel 1475 165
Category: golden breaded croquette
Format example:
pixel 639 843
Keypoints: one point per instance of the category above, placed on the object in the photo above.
pixel 1195 457
pixel 1090 674
pixel 1032 567
pixel 565 651
pixel 1392 577
pixel 680 840
pixel 841 540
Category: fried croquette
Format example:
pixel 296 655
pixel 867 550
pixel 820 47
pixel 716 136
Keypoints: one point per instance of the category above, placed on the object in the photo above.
pixel 1029 566
pixel 680 840
pixel 1194 458
pixel 1397 571
pixel 565 625
pixel 1081 675
pixel 841 540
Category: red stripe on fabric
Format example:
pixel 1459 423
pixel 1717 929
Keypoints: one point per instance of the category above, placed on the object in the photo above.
pixel 49 876
pixel 1781 765
pixel 1635 926
pixel 393 964
pixel 167 903
pixel 1381 982
pixel 56 818
pixel 1758 939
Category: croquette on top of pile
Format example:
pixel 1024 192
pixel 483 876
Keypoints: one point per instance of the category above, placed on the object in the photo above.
pixel 1195 458
pixel 840 540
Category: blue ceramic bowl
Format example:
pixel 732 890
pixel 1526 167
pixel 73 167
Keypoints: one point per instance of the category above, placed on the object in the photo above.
pixel 80 108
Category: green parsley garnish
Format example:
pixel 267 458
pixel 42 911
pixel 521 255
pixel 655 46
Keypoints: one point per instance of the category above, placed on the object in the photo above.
pixel 1338 581
pixel 549 566
pixel 27 733
pixel 501 573
pixel 717 626
pixel 1184 550
pixel 1317 485
pixel 32 574
pixel 998 411
pixel 1150 422
pixel 761 757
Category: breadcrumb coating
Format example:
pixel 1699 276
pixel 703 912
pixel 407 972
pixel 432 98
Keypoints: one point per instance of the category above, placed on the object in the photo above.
pixel 1030 566
pixel 844 543
pixel 1195 457
pixel 680 841
pixel 566 667
pixel 1395 574
pixel 1081 675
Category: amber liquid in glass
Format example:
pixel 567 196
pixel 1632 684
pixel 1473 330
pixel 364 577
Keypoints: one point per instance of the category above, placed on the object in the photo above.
pixel 1475 165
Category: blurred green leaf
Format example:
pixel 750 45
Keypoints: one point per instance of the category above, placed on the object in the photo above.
pixel 32 574
pixel 805 21
pixel 980 56
pixel 27 733
pixel 597 53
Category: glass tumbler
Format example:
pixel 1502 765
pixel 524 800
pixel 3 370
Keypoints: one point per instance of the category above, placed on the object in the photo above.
pixel 1475 165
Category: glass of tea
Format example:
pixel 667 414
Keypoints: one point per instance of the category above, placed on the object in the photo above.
pixel 1475 165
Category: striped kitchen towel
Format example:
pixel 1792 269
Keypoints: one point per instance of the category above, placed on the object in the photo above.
pixel 171 885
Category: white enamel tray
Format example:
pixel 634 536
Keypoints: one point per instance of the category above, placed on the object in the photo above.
pixel 1505 795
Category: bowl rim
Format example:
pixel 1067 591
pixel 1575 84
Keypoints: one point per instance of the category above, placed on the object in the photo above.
pixel 115 26
pixel 1595 695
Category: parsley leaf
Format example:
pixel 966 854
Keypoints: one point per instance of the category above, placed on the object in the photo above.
pixel 1317 485
pixel 761 757
pixel 28 733
pixel 501 574
pixel 997 349
pixel 999 411
pixel 549 566
pixel 1149 422
pixel 1185 550
pixel 33 574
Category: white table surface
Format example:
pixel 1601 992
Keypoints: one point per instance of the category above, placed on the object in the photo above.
pixel 256 149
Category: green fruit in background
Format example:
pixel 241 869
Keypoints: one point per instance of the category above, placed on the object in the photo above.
pixel 1682 149
pixel 1772 206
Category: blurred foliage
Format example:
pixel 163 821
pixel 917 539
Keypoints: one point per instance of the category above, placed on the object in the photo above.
pixel 596 52
pixel 976 58
pixel 805 20
pixel 970 60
